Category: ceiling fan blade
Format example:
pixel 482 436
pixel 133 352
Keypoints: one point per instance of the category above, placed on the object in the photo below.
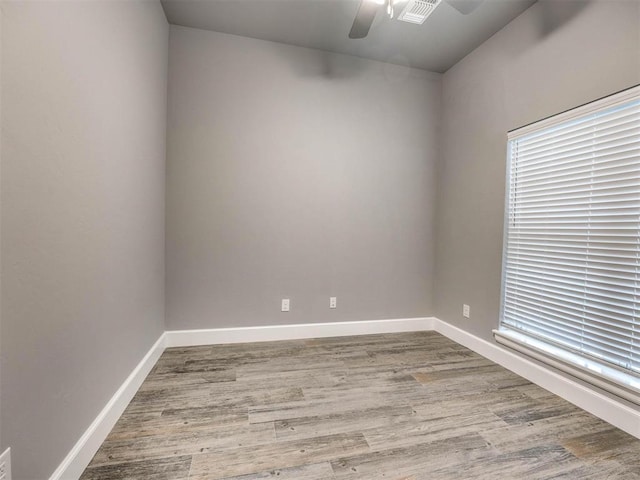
pixel 364 18
pixel 465 7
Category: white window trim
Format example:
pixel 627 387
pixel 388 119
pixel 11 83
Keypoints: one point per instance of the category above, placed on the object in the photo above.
pixel 602 375
pixel 606 102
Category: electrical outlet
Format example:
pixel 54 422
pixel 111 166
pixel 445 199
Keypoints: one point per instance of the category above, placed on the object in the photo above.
pixel 5 465
pixel 285 304
pixel 466 311
pixel 333 302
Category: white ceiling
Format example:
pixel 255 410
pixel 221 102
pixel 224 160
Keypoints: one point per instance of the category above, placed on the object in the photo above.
pixel 445 38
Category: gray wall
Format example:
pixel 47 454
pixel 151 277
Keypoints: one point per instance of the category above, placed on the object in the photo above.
pixel 83 150
pixel 555 56
pixel 294 173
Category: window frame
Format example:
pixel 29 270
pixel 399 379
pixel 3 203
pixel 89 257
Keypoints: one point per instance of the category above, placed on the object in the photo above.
pixel 609 377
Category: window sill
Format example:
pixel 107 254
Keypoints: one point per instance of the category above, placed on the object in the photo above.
pixel 610 379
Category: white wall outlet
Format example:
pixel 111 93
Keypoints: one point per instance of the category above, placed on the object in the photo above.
pixel 285 304
pixel 466 311
pixel 333 302
pixel 5 465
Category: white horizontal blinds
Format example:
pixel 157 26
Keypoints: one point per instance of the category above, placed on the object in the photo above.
pixel 572 258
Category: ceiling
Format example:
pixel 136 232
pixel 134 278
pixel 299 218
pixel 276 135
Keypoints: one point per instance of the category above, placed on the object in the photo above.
pixel 445 38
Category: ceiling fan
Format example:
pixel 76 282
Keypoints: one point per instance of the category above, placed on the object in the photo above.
pixel 415 11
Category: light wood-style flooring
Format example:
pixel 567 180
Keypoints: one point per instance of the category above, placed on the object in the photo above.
pixel 409 406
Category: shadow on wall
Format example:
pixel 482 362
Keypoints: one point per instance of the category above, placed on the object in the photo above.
pixel 325 65
pixel 546 18
pixel 554 15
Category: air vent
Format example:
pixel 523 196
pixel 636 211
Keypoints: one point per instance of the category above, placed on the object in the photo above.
pixel 417 11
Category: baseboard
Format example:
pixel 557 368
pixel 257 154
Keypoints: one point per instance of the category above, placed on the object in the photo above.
pixel 84 450
pixel 5 465
pixel 189 338
pixel 602 406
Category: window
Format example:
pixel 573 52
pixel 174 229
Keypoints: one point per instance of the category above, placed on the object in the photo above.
pixel 571 266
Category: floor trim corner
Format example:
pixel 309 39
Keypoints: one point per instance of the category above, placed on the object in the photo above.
pixel 86 447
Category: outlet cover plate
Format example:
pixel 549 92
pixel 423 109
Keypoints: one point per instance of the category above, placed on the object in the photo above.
pixel 285 305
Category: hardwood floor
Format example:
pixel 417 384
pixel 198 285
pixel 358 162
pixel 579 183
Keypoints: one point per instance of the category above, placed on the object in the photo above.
pixel 410 406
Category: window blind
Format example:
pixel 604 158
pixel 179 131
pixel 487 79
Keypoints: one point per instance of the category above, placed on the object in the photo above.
pixel 571 266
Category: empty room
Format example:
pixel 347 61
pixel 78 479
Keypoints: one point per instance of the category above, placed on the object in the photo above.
pixel 319 239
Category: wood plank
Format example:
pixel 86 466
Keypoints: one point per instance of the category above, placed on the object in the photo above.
pixel 546 431
pixel 172 468
pixel 343 422
pixel 411 460
pixel 535 463
pixel 181 443
pixel 419 431
pixel 315 471
pixel 169 421
pixel 274 455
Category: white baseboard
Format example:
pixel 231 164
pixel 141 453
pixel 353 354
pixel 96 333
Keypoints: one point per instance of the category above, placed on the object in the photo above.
pixel 5 461
pixel 608 409
pixel 188 338
pixel 83 451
